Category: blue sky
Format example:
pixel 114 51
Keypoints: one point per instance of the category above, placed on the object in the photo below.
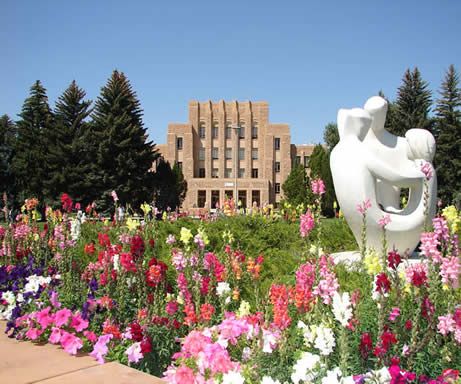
pixel 306 58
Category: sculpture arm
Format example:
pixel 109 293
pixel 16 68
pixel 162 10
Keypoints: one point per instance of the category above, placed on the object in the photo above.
pixel 402 177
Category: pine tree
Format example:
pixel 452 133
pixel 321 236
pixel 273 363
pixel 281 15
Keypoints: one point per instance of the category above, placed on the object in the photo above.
pixel 67 158
pixel 123 156
pixel 7 143
pixel 296 186
pixel 165 186
pixel 180 186
pixel 413 104
pixel 29 163
pixel 331 135
pixel 319 165
pixel 448 136
pixel 390 116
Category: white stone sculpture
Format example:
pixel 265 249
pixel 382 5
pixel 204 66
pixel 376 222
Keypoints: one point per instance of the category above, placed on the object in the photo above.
pixel 369 163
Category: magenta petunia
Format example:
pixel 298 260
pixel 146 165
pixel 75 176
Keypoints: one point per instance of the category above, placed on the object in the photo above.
pixel 62 317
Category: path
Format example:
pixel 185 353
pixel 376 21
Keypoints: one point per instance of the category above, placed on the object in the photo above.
pixel 26 362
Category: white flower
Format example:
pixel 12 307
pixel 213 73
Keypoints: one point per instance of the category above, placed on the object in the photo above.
pixel 233 377
pixel 20 298
pixel 269 380
pixel 9 297
pixel 379 377
pixel 222 288
pixel 269 341
pixel 333 376
pixel 34 282
pixel 309 333
pixel 75 229
pixel 342 308
pixel 324 340
pixel 116 261
pixel 304 369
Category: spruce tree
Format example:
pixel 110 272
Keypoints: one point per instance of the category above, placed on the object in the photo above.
pixel 165 186
pixel 331 135
pixel 67 157
pixel 390 116
pixel 448 136
pixel 123 154
pixel 296 186
pixel 29 163
pixel 7 142
pixel 413 104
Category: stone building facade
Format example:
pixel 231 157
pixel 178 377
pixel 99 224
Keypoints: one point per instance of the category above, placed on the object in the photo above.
pixel 231 149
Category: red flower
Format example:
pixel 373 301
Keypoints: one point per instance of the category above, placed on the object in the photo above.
pixel 127 262
pixel 103 239
pixel 89 249
pixel 393 259
pixel 366 344
pixel 136 331
pixel 383 285
pixel 427 308
pixel 67 202
pixel 408 325
pixel 152 243
pixel 418 278
pixel 387 339
pixel 137 246
pixel 206 312
pixel 146 345
pixel 156 272
pixel 205 286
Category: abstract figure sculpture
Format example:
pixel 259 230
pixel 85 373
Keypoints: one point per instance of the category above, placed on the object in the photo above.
pixel 369 163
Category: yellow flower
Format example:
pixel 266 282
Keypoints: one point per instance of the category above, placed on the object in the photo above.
pixel 146 208
pixel 244 309
pixel 203 235
pixel 453 218
pixel 185 235
pixel 164 216
pixel 132 224
pixel 106 222
pixel 36 237
pixel 227 236
pixel 372 263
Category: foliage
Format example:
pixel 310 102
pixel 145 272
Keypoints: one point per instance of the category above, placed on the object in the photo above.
pixel 448 137
pixel 331 135
pixel 7 143
pixel 296 186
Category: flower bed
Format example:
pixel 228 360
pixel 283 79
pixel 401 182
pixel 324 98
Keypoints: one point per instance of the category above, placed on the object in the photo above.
pixel 199 303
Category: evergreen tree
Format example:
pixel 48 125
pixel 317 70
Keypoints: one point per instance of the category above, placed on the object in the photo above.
pixel 413 104
pixel 296 186
pixel 67 158
pixel 29 163
pixel 180 186
pixel 165 186
pixel 448 135
pixel 331 135
pixel 390 116
pixel 319 165
pixel 7 143
pixel 123 156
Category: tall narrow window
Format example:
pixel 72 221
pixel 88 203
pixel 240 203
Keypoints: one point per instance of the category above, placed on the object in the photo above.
pixel 255 197
pixel 201 154
pixel 228 153
pixel 214 153
pixel 201 130
pixel 214 198
pixel 277 166
pixel 241 173
pixel 254 153
pixel 241 130
pixel 242 199
pixel 277 143
pixel 179 143
pixel 201 173
pixel 254 173
pixel 277 188
pixel 228 173
pixel 306 161
pixel 254 130
pixel 215 130
pixel 214 173
pixel 180 165
pixel 241 153
pixel 201 198
pixel 228 130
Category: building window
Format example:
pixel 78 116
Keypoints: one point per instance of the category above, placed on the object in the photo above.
pixel 229 194
pixel 256 198
pixel 228 173
pixel 180 165
pixel 297 160
pixel 241 173
pixel 277 188
pixel 215 130
pixel 179 143
pixel 277 166
pixel 201 154
pixel 306 161
pixel 241 153
pixel 214 199
pixel 254 153
pixel 254 173
pixel 254 130
pixel 242 199
pixel 277 143
pixel 241 130
pixel 228 153
pixel 201 199
pixel 214 153
pixel 201 173
pixel 201 130
pixel 214 173
pixel 228 132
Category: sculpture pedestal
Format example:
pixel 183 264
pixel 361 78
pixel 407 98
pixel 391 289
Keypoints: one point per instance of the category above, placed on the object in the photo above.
pixel 351 258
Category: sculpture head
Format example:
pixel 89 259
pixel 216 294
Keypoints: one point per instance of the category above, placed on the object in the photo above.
pixel 377 107
pixel 420 144
pixel 353 122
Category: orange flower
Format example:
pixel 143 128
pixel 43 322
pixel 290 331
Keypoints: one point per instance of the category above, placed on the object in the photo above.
pixel 31 203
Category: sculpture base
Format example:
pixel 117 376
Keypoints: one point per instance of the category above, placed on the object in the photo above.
pixel 351 258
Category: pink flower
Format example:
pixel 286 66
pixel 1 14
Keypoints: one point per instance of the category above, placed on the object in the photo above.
pixel 43 317
pixel 62 317
pixel 78 323
pixel 134 353
pixel 55 335
pixel 429 246
pixel 171 307
pixel 386 219
pixel 217 359
pixel 318 186
pixel 170 239
pixel 231 328
pixel 91 336
pixel 450 271
pixel 54 300
pixel 182 375
pixel 33 333
pixel 362 208
pixel 394 314
pixel 100 349
pixel 114 196
pixel 446 324
pixel 306 223
pixel 426 168
pixel 70 342
pixel 195 342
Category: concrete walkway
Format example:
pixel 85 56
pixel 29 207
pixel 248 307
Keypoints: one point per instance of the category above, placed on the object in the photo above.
pixel 26 362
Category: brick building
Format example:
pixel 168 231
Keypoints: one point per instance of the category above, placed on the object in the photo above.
pixel 231 148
